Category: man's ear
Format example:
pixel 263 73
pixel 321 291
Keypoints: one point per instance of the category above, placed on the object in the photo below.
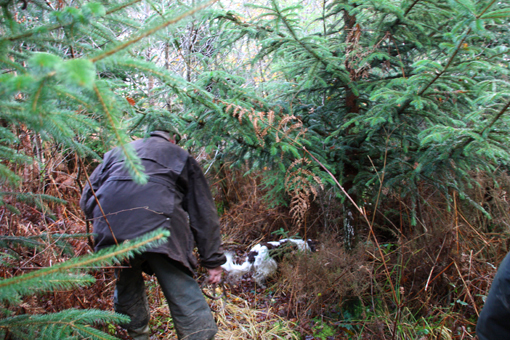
pixel 172 139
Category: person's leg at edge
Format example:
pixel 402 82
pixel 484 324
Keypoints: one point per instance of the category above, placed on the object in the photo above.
pixel 191 314
pixel 130 299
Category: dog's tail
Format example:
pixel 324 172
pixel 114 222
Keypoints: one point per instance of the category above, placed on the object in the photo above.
pixel 233 269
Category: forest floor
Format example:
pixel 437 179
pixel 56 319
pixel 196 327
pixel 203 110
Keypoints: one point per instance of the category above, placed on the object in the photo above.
pixel 244 311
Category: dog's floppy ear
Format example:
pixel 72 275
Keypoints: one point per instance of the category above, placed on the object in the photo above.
pixel 227 266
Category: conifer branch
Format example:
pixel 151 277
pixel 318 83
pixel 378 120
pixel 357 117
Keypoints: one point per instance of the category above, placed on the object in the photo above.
pixel 295 37
pixel 53 27
pixel 230 17
pixel 71 96
pixel 32 32
pixel 58 325
pixel 151 31
pixel 398 21
pixel 300 42
pixel 486 9
pixel 118 136
pixel 17 66
pixel 411 7
pixel 85 261
pixel 459 46
pixel 37 95
pixel 496 118
pixel 122 6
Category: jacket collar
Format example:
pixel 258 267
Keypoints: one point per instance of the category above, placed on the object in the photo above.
pixel 162 134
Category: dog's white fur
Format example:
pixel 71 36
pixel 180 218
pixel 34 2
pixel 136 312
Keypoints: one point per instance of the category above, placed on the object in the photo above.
pixel 264 265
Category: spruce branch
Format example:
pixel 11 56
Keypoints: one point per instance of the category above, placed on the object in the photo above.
pixel 443 71
pixel 459 46
pixel 152 31
pixel 398 21
pixel 130 162
pixel 37 95
pixel 65 323
pixel 72 96
pixel 470 139
pixel 498 116
pixel 19 284
pixel 295 37
pixel 121 6
pixel 302 44
pixel 32 32
pixel 411 7
pixel 179 85
pixel 49 28
pixel 15 65
pixel 236 20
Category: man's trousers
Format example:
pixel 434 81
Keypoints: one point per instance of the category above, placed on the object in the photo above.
pixel 190 312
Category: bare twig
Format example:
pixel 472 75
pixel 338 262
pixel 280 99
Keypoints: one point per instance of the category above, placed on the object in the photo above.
pixel 467 289
pixel 151 31
pixel 434 266
pixel 97 201
pixel 474 229
pixel 383 258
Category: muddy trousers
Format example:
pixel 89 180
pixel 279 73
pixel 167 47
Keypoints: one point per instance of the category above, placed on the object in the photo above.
pixel 191 314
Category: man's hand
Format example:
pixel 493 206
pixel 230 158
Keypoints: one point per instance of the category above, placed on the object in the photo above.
pixel 214 275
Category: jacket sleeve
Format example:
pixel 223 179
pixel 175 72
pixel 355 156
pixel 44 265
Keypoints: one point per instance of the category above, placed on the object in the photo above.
pixel 205 226
pixel 87 200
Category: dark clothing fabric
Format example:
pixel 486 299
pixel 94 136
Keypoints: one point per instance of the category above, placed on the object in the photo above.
pixel 190 312
pixel 494 320
pixel 176 190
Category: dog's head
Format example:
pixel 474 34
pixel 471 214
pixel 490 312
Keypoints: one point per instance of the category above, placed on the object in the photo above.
pixel 312 244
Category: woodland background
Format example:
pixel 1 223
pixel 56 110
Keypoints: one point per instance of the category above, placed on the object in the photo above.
pixel 378 127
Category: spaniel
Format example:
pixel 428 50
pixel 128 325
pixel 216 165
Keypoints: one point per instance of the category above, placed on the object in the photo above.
pixel 263 258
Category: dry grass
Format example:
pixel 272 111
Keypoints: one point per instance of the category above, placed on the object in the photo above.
pixel 322 281
pixel 238 320
pixel 235 316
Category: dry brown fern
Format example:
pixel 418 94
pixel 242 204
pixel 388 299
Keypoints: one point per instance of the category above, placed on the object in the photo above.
pixel 300 184
pixel 263 121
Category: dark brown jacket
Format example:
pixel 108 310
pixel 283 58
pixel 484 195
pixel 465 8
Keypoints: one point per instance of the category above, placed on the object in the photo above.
pixel 176 189
pixel 494 320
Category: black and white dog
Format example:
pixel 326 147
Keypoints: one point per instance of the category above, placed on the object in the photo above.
pixel 263 258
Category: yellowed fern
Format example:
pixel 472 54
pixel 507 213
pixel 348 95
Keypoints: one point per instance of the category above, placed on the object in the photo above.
pixel 300 183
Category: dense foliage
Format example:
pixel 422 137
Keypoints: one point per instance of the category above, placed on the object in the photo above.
pixel 394 93
pixel 380 91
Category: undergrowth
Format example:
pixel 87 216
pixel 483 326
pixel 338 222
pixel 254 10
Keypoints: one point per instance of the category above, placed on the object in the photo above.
pixel 426 277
